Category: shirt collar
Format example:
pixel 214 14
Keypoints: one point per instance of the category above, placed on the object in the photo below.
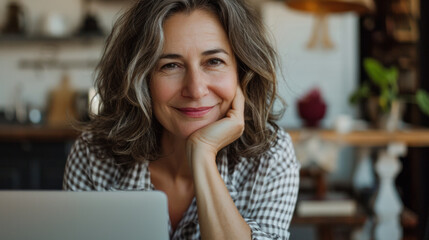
pixel 137 178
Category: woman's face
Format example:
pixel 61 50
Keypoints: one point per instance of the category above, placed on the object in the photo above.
pixel 195 79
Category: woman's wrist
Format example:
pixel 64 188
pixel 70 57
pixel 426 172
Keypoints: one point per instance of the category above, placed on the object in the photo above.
pixel 200 153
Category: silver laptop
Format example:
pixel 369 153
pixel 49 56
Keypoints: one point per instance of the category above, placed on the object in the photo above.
pixel 52 215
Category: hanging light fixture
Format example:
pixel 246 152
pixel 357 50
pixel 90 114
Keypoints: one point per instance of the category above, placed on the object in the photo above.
pixel 332 6
pixel 321 8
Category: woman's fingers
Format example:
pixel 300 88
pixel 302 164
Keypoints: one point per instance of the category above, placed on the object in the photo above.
pixel 226 130
pixel 238 103
pixel 237 111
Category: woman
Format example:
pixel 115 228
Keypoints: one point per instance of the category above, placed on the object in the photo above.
pixel 186 90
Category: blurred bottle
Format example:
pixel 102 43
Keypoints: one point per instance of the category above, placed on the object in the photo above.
pixel 15 19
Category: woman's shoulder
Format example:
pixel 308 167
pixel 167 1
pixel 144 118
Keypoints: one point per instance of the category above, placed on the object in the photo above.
pixel 89 153
pixel 86 142
pixel 88 165
pixel 281 154
pixel 83 148
pixel 282 147
pixel 277 159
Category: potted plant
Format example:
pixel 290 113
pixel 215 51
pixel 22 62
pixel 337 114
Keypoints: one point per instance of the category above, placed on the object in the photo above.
pixel 381 93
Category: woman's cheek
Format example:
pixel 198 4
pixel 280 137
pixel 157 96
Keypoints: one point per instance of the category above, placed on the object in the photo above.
pixel 163 89
pixel 226 87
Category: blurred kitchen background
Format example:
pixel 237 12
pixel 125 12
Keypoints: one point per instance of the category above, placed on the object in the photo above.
pixel 341 119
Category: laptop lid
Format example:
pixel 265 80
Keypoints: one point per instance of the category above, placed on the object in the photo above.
pixel 52 215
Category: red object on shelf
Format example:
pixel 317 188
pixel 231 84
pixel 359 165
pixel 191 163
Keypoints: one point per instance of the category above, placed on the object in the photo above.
pixel 312 108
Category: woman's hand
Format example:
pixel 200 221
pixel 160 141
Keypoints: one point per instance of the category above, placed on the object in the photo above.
pixel 219 134
pixel 218 216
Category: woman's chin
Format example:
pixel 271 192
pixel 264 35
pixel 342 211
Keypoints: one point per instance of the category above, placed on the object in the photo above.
pixel 189 130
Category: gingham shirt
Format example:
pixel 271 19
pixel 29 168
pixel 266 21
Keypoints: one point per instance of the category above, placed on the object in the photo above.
pixel 263 189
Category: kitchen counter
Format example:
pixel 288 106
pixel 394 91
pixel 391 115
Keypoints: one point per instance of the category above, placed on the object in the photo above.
pixel 16 133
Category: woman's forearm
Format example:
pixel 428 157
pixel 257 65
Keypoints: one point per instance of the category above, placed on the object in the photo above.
pixel 218 216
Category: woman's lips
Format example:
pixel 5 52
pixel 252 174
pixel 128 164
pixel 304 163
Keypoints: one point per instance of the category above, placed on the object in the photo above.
pixel 195 112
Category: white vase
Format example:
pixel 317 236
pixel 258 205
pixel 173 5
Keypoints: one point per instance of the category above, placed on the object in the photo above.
pixel 392 120
pixel 53 25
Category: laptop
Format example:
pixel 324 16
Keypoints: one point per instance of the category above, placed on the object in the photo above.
pixel 55 215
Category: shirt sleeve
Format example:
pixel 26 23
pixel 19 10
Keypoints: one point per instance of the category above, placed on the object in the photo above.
pixel 76 175
pixel 275 192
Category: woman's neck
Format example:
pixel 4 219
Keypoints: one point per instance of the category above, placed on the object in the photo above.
pixel 173 159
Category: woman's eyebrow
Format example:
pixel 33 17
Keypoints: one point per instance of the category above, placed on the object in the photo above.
pixel 171 56
pixel 205 53
pixel 214 51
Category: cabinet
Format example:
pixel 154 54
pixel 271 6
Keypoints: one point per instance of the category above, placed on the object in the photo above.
pixel 32 165
pixel 33 157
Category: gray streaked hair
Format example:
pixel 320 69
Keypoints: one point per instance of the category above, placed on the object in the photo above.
pixel 125 123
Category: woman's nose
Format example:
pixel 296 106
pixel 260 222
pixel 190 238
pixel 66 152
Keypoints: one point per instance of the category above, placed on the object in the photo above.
pixel 195 84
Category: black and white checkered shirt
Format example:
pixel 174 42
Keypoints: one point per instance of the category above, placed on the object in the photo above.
pixel 264 189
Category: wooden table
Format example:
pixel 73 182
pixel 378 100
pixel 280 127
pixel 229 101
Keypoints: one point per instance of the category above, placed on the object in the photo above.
pixel 388 206
pixel 418 137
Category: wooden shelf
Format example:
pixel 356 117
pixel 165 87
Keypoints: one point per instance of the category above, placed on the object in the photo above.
pixel 16 133
pixel 25 39
pixel 418 137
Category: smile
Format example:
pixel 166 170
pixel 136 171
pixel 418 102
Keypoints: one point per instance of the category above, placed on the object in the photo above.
pixel 195 112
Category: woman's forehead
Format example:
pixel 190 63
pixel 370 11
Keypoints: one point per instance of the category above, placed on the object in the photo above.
pixel 197 29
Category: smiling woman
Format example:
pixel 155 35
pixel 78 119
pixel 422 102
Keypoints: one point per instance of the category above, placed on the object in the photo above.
pixel 186 91
pixel 195 79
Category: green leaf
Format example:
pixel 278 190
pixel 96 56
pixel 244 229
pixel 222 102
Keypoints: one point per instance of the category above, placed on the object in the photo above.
pixel 422 98
pixel 377 72
pixel 392 77
pixel 362 92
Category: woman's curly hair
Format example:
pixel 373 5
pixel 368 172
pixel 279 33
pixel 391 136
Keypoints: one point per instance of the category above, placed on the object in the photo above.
pixel 125 124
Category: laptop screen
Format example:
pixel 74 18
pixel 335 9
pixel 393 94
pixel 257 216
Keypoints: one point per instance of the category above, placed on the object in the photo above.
pixel 83 215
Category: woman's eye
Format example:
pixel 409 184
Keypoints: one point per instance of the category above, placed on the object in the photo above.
pixel 169 66
pixel 215 62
